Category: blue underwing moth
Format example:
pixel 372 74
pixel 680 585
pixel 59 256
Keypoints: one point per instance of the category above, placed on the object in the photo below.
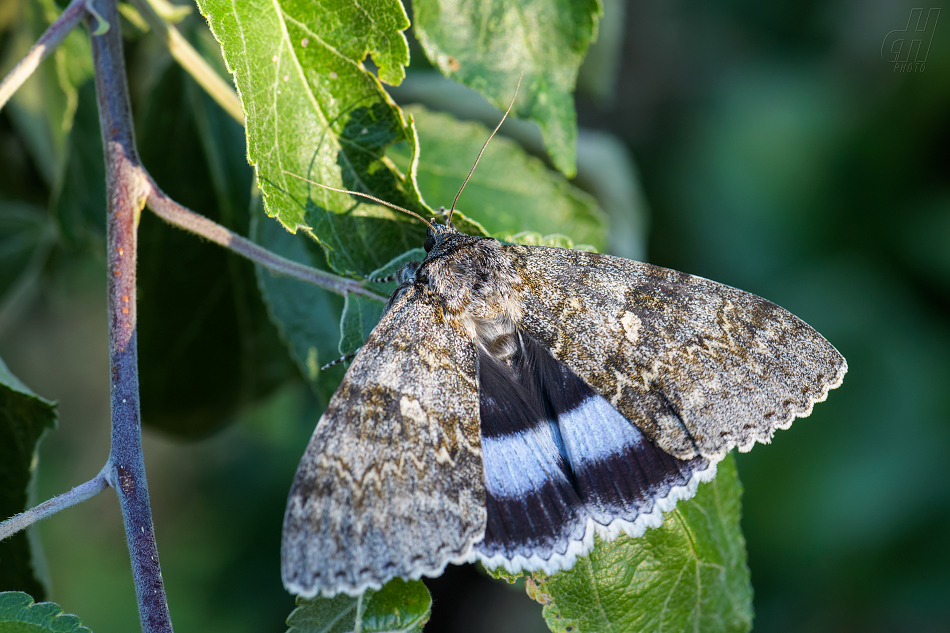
pixel 514 401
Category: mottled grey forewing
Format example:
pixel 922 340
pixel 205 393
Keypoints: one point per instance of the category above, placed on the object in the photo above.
pixel 699 366
pixel 391 483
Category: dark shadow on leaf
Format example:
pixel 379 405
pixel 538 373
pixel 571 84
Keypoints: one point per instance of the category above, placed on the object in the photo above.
pixel 363 236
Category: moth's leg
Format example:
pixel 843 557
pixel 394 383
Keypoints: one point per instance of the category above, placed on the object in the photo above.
pixel 341 359
pixel 382 280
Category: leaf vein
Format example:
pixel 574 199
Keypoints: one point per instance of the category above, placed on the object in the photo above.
pixel 285 35
pixel 669 596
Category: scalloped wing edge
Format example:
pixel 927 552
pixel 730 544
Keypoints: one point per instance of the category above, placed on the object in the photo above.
pixel 804 412
pixel 609 532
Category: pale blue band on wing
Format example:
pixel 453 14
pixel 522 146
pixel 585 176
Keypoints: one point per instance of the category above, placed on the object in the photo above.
pixel 519 464
pixel 593 431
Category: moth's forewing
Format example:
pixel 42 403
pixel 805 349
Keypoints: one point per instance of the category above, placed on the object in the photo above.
pixel 391 483
pixel 698 366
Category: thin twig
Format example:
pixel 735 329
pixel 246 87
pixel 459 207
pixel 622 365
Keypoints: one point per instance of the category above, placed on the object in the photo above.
pixel 127 187
pixel 80 493
pixel 184 218
pixel 47 43
pixel 192 61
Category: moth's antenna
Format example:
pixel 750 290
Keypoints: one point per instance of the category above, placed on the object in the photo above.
pixel 364 195
pixel 452 210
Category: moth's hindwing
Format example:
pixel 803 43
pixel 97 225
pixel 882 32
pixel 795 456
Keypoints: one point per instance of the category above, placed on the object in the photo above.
pixel 561 464
pixel 698 366
pixel 391 483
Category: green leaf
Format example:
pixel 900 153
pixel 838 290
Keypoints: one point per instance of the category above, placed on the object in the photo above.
pixel 486 45
pixel 313 110
pixel 42 109
pixel 206 344
pixel 361 314
pixel 306 316
pixel 26 235
pixel 509 192
pixel 598 76
pixel 399 607
pixel 79 202
pixel 24 418
pixel 690 574
pixel 559 240
pixel 19 614
pixel 26 107
pixel 72 68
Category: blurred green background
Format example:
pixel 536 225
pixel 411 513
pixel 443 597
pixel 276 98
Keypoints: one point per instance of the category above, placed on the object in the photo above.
pixel 777 151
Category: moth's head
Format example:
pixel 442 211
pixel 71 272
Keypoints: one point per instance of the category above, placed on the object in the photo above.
pixel 436 233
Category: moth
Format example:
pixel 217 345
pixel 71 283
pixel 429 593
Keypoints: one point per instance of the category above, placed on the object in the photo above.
pixel 514 401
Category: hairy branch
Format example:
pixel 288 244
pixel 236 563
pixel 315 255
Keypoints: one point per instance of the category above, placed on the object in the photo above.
pixel 80 493
pixel 127 187
pixel 47 43
pixel 182 217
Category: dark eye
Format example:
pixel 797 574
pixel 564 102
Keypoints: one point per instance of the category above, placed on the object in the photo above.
pixel 430 240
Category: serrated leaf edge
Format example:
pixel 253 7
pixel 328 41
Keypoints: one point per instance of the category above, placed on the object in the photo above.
pixel 27 607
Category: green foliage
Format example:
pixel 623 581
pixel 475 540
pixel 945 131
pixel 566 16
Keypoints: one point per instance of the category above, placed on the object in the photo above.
pixel 510 190
pixel 510 194
pixel 81 195
pixel 19 614
pixel 689 574
pixel 43 108
pixel 315 112
pixel 816 180
pixel 399 607
pixel 558 240
pixel 307 317
pixel 826 199
pixel 71 68
pixel 361 314
pixel 486 45
pixel 24 419
pixel 25 238
pixel 205 343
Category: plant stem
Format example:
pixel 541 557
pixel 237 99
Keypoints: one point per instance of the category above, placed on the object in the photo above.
pixel 193 63
pixel 182 217
pixel 127 187
pixel 47 43
pixel 80 493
